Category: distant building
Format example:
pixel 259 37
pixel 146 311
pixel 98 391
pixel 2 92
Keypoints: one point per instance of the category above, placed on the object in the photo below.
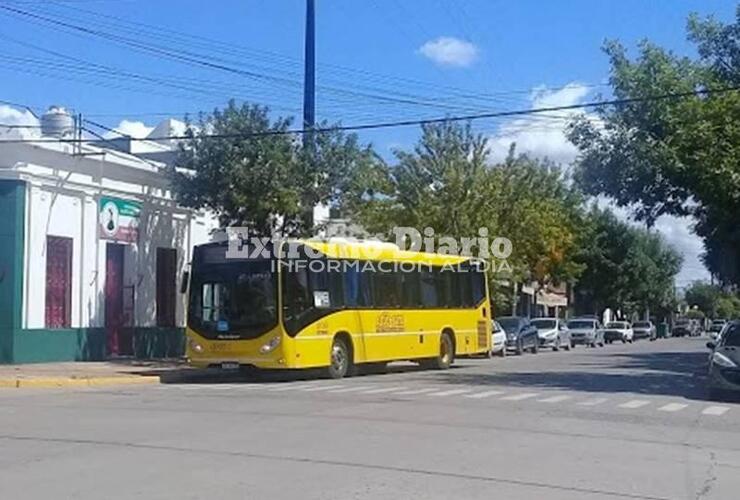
pixel 92 250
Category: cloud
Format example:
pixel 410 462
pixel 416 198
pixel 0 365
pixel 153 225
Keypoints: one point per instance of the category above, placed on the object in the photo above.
pixel 133 128
pixel 13 116
pixel 450 51
pixel 677 232
pixel 541 135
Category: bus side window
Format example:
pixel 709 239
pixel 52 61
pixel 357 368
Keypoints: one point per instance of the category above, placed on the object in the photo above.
pixel 386 289
pixel 478 280
pixel 429 288
pixel 410 289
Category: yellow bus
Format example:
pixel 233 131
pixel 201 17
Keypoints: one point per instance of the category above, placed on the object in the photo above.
pixel 334 305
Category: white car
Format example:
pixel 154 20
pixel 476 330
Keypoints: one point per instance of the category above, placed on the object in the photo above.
pixel 498 340
pixel 619 330
pixel 553 332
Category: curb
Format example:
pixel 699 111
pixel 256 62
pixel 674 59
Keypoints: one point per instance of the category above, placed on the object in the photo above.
pixel 59 382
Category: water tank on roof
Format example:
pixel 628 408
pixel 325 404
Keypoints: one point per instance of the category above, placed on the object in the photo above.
pixel 57 122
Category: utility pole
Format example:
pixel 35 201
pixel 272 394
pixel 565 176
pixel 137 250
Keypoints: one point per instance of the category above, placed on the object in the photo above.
pixel 309 76
pixel 309 105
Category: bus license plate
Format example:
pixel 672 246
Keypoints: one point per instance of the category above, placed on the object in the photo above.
pixel 229 365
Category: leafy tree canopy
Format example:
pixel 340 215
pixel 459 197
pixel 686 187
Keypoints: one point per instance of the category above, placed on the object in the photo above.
pixel 261 178
pixel 678 156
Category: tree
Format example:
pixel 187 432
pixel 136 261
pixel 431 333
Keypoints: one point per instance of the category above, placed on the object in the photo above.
pixel 626 267
pixel 260 177
pixel 712 300
pixel 448 184
pixel 677 156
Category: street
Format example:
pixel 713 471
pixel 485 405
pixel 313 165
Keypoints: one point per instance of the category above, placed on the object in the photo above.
pixel 625 421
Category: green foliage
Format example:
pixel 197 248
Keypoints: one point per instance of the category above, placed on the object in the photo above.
pixel 626 267
pixel 447 183
pixel 673 156
pixel 712 300
pixel 266 181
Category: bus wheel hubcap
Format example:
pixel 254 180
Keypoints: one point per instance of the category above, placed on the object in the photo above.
pixel 338 357
pixel 445 354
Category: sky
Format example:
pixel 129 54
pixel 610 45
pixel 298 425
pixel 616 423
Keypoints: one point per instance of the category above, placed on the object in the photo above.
pixel 128 64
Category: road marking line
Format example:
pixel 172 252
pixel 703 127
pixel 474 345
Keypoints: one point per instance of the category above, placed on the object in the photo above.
pixel 715 411
pixel 290 387
pixel 520 397
pixel 555 399
pixel 485 394
pixel 350 389
pixel 671 407
pixel 321 388
pixel 417 391
pixel 635 403
pixel 451 392
pixel 593 402
pixel 382 390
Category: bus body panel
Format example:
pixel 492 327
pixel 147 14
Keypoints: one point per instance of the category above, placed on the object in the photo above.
pixel 377 336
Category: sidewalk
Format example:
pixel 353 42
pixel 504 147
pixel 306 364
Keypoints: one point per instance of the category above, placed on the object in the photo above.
pixel 84 374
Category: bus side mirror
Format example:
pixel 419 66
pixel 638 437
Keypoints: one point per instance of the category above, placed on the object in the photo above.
pixel 184 282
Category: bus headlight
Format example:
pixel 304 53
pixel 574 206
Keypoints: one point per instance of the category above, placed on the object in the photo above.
pixel 270 346
pixel 196 347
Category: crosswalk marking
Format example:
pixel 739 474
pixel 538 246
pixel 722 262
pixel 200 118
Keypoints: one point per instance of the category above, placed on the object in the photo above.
pixel 350 389
pixel 715 411
pixel 451 392
pixel 382 390
pixel 593 402
pixel 555 399
pixel 485 394
pixel 321 388
pixel 520 397
pixel 417 391
pixel 635 403
pixel 671 407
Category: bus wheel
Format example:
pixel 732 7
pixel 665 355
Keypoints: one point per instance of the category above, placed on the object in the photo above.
pixel 446 352
pixel 341 359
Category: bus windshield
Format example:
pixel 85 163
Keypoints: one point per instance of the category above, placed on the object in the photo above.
pixel 232 298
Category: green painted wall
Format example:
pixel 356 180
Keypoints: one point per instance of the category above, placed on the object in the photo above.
pixel 68 344
pixel 89 344
pixel 12 214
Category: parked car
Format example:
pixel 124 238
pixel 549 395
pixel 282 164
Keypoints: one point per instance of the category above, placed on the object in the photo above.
pixel 619 330
pixel 716 327
pixel 697 327
pixel 498 339
pixel 520 334
pixel 586 331
pixel 724 362
pixel 552 333
pixel 682 328
pixel 644 330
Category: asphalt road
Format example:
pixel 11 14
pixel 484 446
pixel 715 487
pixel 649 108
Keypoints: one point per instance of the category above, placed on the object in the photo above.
pixel 625 421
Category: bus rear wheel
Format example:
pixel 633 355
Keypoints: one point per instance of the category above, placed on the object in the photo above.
pixel 341 359
pixel 446 353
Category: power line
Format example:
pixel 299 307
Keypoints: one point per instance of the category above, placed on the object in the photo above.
pixel 406 123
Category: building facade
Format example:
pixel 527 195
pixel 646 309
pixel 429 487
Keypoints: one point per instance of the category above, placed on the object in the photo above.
pixel 92 251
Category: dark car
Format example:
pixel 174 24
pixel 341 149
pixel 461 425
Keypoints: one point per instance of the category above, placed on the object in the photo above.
pixel 520 334
pixel 724 362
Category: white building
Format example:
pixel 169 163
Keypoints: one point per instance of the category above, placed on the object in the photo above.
pixel 92 250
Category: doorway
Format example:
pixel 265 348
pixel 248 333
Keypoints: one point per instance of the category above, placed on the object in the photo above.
pixel 114 320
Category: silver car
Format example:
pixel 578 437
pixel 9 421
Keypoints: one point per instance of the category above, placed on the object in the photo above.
pixel 586 331
pixel 553 333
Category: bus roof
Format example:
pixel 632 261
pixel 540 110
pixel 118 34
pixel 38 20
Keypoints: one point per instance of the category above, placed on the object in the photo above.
pixel 379 251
